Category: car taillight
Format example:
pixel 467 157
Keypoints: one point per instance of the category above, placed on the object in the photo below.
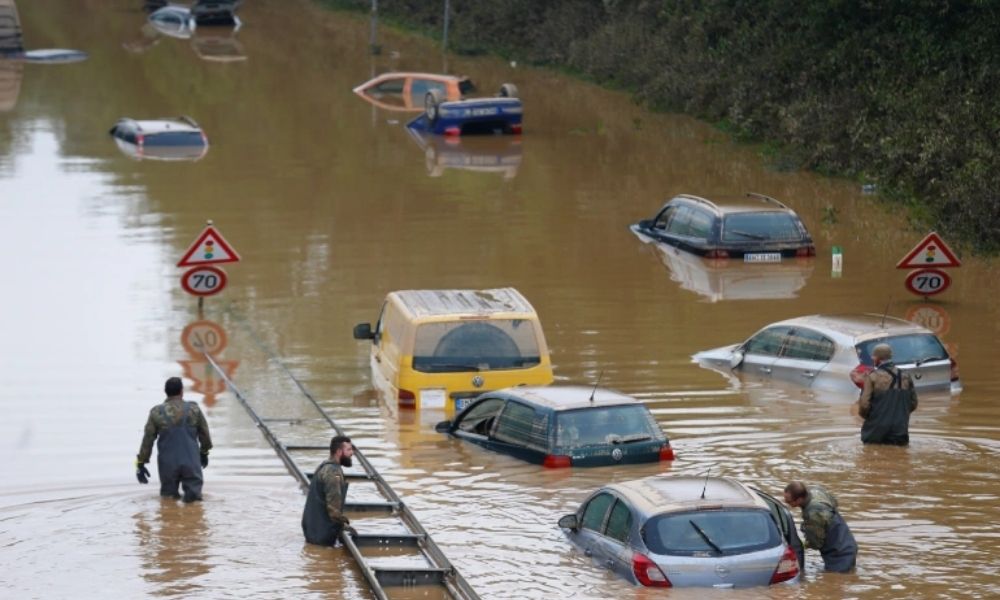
pixel 204 140
pixel 717 254
pixel 666 452
pixel 407 399
pixel 806 251
pixel 648 573
pixel 788 567
pixel 515 129
pixel 557 461
pixel 954 369
pixel 858 375
pixel 140 140
pixel 452 131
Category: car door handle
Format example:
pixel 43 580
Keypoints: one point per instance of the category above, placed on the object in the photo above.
pixel 588 552
pixel 808 374
pixel 609 563
pixel 765 370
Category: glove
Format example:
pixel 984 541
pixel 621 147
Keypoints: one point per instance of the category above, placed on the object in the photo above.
pixel 141 472
pixel 351 531
pixel 204 460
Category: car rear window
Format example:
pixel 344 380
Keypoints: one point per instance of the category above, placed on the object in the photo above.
pixel 906 349
pixel 475 346
pixel 760 226
pixel 733 531
pixel 606 425
pixel 174 138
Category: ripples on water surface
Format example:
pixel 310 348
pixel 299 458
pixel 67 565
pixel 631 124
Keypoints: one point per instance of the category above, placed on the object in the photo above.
pixel 331 205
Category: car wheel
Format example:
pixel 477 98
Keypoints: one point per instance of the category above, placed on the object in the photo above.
pixel 508 90
pixel 432 100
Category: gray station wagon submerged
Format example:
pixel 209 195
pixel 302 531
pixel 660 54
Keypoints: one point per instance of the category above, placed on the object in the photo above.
pixel 667 531
pixel 562 426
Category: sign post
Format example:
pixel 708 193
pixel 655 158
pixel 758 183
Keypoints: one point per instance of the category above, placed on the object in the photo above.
pixel 928 258
pixel 208 249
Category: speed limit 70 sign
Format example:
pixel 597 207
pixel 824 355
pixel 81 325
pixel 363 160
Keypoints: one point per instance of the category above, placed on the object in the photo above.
pixel 203 281
pixel 927 282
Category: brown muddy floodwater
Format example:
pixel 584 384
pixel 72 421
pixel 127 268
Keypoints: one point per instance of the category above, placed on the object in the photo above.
pixel 332 204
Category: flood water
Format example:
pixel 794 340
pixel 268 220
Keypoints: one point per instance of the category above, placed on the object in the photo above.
pixel 331 204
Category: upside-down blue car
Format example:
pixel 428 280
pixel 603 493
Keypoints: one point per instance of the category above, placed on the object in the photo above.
pixel 501 114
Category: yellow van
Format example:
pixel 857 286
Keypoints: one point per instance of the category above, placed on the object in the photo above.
pixel 439 349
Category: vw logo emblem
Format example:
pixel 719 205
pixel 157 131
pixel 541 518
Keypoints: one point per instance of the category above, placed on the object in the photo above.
pixel 721 571
pixel 477 381
pixel 616 454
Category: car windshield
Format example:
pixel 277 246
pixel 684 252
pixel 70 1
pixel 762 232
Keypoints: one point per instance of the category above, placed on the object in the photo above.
pixel 760 226
pixel 906 349
pixel 174 138
pixel 716 532
pixel 476 346
pixel 606 425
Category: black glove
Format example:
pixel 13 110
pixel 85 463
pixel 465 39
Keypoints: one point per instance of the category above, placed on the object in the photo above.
pixel 141 472
pixel 351 531
pixel 204 460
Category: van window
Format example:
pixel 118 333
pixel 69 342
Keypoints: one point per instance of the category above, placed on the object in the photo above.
pixel 475 346
pixel 523 426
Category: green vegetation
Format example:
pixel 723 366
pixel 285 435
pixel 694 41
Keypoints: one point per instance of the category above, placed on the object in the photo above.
pixel 902 94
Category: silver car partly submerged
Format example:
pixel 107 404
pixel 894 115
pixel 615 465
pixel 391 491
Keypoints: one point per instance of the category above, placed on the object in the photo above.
pixel 831 353
pixel 679 531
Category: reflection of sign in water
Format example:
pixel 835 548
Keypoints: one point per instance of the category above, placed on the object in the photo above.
pixel 204 336
pixel 203 281
pixel 931 316
pixel 927 282
pixel 200 338
pixel 204 377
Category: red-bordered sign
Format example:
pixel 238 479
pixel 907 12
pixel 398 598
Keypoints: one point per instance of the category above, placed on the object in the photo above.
pixel 927 282
pixel 204 337
pixel 930 252
pixel 204 378
pixel 931 316
pixel 209 248
pixel 203 281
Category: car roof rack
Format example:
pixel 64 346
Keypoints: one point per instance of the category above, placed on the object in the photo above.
pixel 698 199
pixel 189 121
pixel 765 198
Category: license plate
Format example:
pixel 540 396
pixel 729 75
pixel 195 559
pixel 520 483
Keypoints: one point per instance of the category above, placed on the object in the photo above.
pixel 432 398
pixel 461 403
pixel 482 112
pixel 762 257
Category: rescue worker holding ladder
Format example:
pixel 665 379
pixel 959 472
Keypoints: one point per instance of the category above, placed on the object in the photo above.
pixel 323 516
pixel 886 401
pixel 182 444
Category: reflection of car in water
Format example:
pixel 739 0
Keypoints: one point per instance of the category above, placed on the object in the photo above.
pixel 752 227
pixel 11 72
pixel 179 21
pixel 217 45
pixel 484 154
pixel 12 41
pixel 722 279
pixel 160 139
pixel 442 116
pixel 680 531
pixel 438 349
pixel 405 91
pixel 831 352
pixel 563 426
pixel 173 21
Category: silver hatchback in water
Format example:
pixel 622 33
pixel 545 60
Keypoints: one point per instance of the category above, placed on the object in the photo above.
pixel 832 352
pixel 667 531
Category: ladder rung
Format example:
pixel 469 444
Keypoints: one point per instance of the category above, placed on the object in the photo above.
pixel 371 506
pixel 327 447
pixel 410 575
pixel 363 476
pixel 388 539
pixel 292 420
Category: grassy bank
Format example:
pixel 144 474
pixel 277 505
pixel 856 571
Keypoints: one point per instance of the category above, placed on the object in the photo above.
pixel 903 94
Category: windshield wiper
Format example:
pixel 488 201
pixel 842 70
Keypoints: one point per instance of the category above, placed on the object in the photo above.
pixel 928 359
pixel 634 437
pixel 753 236
pixel 705 537
pixel 437 367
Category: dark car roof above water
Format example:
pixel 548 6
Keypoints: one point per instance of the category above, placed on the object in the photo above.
pixel 567 397
pixel 737 203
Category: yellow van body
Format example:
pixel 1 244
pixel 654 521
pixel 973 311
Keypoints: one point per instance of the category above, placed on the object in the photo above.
pixel 439 349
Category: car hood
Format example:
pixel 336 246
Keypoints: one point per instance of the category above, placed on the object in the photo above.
pixel 715 355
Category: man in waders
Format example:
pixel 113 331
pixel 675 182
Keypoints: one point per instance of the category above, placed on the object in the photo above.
pixel 886 401
pixel 182 444
pixel 323 517
pixel 823 527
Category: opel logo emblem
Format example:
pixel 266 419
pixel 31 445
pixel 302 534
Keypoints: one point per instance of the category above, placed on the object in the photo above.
pixel 616 454
pixel 477 381
pixel 721 571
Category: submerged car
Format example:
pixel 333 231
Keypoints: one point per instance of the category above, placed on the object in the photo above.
pixel 405 91
pixel 500 114
pixel 667 531
pixel 832 352
pixel 480 154
pixel 160 139
pixel 180 21
pixel 752 227
pixel 563 426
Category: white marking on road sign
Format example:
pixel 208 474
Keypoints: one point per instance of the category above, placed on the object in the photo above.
pixel 209 248
pixel 930 252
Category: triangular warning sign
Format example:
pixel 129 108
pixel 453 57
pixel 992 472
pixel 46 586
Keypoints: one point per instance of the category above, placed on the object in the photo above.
pixel 209 248
pixel 930 252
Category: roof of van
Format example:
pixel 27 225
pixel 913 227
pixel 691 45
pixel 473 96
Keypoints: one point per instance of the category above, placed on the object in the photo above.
pixel 434 303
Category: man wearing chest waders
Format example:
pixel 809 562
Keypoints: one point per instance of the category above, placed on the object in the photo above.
pixel 824 528
pixel 323 517
pixel 182 444
pixel 886 401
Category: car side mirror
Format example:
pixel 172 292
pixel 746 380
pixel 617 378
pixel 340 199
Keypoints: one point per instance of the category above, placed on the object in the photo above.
pixel 443 427
pixel 363 331
pixel 569 522
pixel 736 359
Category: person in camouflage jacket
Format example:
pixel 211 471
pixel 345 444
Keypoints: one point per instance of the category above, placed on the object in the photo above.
pixel 823 527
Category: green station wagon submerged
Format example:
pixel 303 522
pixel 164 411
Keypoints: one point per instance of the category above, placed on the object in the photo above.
pixel 563 426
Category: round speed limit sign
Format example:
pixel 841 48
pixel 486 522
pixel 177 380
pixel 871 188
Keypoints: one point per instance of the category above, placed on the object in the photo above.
pixel 203 281
pixel 927 282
